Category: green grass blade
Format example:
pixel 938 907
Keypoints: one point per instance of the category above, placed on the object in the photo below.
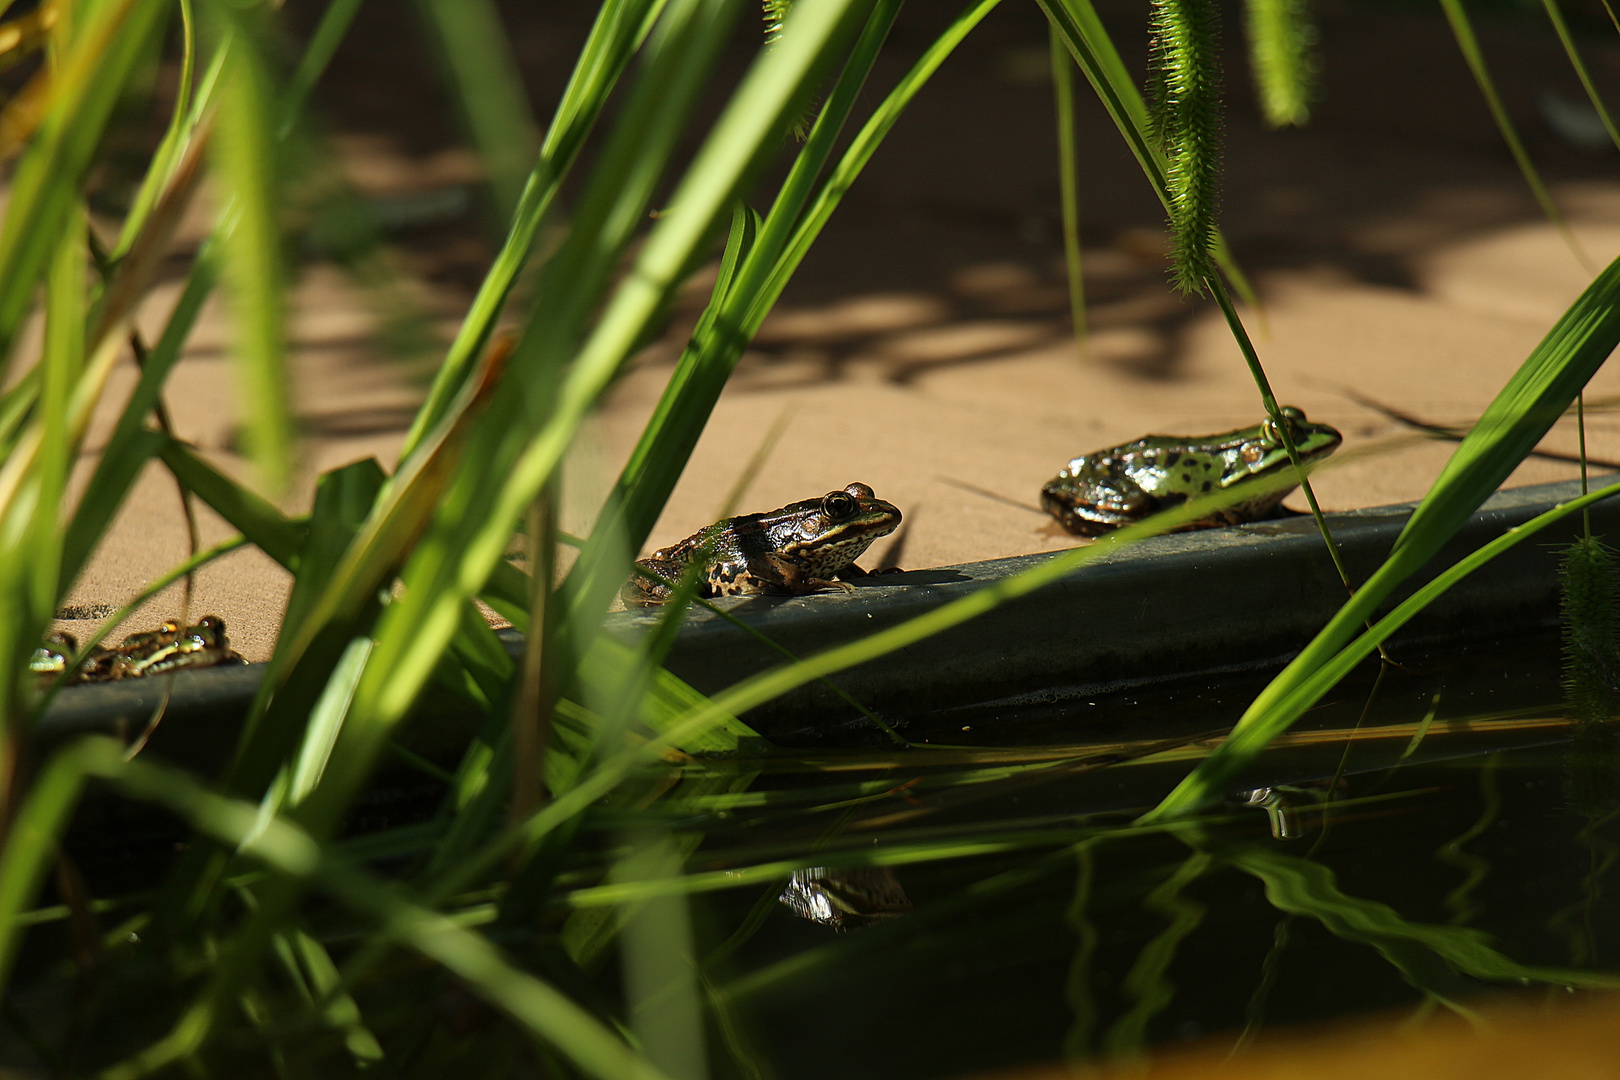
pixel 130 444
pixel 32 841
pixel 1285 702
pixel 117 35
pixel 247 164
pixel 343 500
pixel 489 89
pixel 781 242
pixel 1063 94
pixel 323 44
pixel 1556 16
pixel 1082 32
pixel 338 1008
pixel 258 520
pixel 1468 45
pixel 620 28
pixel 182 123
pixel 286 849
pixel 452 563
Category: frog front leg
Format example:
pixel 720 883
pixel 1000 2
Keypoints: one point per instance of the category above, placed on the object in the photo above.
pixel 773 572
pixel 643 591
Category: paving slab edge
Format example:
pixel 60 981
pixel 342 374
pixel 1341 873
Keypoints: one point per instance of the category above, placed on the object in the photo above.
pixel 1198 603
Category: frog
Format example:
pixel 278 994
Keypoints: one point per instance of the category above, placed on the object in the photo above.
pixel 801 548
pixel 171 647
pixel 1111 488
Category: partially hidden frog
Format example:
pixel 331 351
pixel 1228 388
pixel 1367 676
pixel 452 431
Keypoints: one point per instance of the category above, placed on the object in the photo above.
pixel 1111 488
pixel 798 549
pixel 171 647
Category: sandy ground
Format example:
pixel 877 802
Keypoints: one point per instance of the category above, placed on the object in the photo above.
pixel 926 346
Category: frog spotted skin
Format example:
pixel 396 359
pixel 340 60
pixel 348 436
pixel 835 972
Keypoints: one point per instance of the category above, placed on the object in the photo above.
pixel 171 647
pixel 797 549
pixel 1111 488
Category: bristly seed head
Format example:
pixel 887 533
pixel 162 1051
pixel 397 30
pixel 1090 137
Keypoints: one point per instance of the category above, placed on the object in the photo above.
pixel 1184 89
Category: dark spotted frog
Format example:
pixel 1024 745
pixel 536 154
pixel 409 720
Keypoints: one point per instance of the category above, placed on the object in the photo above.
pixel 1111 488
pixel 797 549
pixel 171 647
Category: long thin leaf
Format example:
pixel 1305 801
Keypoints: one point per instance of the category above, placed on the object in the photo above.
pixel 490 91
pixel 46 183
pixel 248 165
pixel 1286 702
pixel 288 850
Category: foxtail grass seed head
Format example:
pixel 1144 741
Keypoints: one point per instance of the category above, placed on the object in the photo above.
pixel 1282 57
pixel 775 14
pixel 1184 89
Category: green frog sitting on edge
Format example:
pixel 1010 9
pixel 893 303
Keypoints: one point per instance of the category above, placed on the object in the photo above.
pixel 1111 488
pixel 168 648
pixel 798 549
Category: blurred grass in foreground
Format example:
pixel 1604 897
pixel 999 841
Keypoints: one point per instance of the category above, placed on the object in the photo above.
pixel 243 963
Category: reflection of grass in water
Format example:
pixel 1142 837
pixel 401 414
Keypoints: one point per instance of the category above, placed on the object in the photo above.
pixel 1077 1046
pixel 1574 922
pixel 1254 1013
pixel 1146 981
pixel 1474 867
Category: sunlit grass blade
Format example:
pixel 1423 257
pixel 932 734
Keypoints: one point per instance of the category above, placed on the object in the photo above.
pixel 620 28
pixel 343 500
pixel 131 444
pixel 771 255
pixel 248 165
pixel 183 122
pixel 118 34
pixel 1288 697
pixel 1077 24
pixel 454 560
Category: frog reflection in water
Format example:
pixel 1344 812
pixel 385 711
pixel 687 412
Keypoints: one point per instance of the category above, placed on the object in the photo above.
pixel 1123 485
pixel 798 549
pixel 171 647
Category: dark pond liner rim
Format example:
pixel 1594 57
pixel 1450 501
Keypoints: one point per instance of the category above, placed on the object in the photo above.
pixel 1196 605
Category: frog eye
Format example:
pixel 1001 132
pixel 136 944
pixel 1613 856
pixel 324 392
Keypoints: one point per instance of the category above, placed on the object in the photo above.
pixel 1270 433
pixel 839 505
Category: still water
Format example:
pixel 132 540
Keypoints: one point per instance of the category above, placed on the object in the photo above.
pixel 1451 840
